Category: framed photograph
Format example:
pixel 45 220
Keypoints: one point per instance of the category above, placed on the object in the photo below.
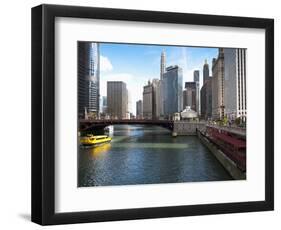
pixel 143 114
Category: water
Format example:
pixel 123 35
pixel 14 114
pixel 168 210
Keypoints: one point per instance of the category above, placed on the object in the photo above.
pixel 148 155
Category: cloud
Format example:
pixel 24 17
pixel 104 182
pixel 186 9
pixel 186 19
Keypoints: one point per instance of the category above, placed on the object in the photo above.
pixel 105 64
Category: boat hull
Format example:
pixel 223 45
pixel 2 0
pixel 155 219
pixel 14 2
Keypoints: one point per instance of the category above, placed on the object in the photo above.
pixel 94 144
pixel 92 141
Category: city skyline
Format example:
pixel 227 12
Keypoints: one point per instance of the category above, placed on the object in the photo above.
pixel 168 90
pixel 140 63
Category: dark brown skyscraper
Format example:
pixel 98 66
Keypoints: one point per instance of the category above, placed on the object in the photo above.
pixel 117 99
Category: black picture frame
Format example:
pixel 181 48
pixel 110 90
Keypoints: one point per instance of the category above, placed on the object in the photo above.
pixel 43 114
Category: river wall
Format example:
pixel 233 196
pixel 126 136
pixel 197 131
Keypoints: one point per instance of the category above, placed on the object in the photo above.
pixel 227 163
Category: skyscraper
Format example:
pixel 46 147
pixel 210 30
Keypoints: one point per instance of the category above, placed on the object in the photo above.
pixel 196 76
pixel 162 65
pixel 218 86
pixel 172 81
pixel 235 83
pixel 158 98
pixel 125 103
pixel 148 99
pixel 206 73
pixel 209 96
pixel 206 99
pixel 159 88
pixel 139 109
pixel 196 79
pixel 117 99
pixel 88 78
pixel 189 95
pixel 203 102
pixel 206 93
pixel 129 104
pixel 103 104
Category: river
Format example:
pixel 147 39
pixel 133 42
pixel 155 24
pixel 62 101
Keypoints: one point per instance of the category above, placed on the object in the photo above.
pixel 147 155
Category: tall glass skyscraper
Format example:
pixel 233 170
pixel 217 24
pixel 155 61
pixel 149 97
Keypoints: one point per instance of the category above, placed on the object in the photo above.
pixel 162 65
pixel 88 78
pixel 196 79
pixel 206 73
pixel 172 90
pixel 206 94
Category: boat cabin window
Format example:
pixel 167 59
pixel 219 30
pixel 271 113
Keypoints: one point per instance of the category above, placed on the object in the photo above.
pixel 99 138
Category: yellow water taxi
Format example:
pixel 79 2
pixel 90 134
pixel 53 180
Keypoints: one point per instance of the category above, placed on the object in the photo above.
pixel 91 140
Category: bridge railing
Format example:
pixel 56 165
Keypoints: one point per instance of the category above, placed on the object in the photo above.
pixel 230 129
pixel 122 120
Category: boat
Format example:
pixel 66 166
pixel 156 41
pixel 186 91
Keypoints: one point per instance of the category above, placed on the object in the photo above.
pixel 91 140
pixel 109 129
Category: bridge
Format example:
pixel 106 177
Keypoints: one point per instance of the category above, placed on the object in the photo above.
pixel 178 128
pixel 87 125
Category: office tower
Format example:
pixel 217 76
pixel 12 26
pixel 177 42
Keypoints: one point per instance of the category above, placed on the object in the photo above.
pixel 218 86
pixel 117 99
pixel 172 90
pixel 103 104
pixel 196 76
pixel 206 93
pixel 235 83
pixel 205 72
pixel 88 78
pixel 160 87
pixel 127 116
pixel 206 99
pixel 209 96
pixel 203 102
pixel 139 109
pixel 196 79
pixel 158 98
pixel 190 95
pixel 148 98
pixel 162 65
pixel 129 105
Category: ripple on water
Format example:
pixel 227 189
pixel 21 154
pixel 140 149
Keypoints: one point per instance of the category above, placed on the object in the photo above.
pixel 148 155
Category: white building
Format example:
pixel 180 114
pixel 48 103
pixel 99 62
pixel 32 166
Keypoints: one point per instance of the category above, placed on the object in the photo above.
pixel 188 113
pixel 235 83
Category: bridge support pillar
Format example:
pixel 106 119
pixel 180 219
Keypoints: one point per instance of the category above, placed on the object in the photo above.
pixel 186 128
pixel 174 134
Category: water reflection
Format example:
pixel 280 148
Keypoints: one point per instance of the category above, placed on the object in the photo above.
pixel 99 151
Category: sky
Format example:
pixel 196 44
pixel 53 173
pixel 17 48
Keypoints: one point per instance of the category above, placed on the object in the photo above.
pixel 136 64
